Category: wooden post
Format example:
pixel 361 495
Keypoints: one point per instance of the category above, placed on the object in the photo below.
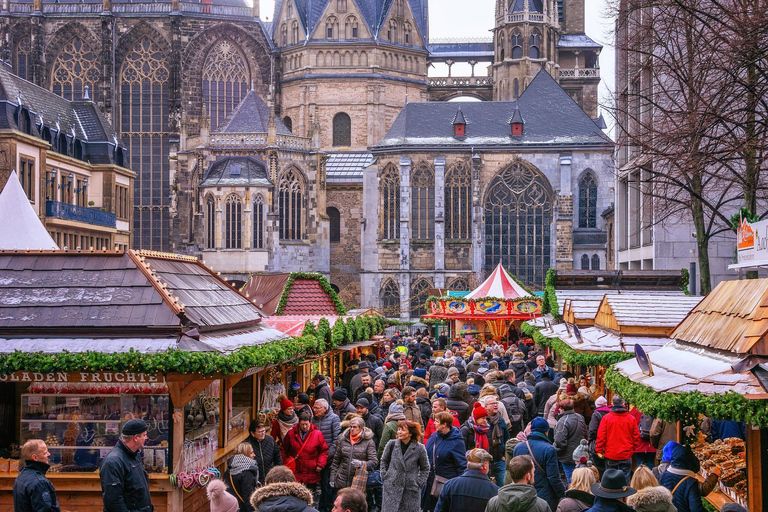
pixel 754 469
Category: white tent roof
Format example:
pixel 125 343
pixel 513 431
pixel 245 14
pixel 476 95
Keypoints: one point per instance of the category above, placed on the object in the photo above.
pixel 499 285
pixel 20 228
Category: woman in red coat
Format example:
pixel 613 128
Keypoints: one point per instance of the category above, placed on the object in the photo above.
pixel 305 444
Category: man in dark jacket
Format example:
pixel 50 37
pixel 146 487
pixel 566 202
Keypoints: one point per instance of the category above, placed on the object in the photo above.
pixel 341 404
pixel 520 495
pixel 124 481
pixel 265 448
pixel 542 369
pixel 321 388
pixel 548 485
pixel 569 432
pixel 330 426
pixel 32 492
pixel 545 388
pixel 471 490
pixel 372 421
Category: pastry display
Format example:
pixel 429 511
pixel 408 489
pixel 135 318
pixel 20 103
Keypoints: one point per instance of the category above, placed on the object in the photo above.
pixel 730 455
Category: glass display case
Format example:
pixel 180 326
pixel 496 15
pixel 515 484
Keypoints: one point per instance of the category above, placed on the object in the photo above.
pixel 80 429
pixel 239 421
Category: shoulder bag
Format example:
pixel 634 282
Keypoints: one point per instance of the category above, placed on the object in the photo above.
pixel 290 462
pixel 439 481
pixel 530 452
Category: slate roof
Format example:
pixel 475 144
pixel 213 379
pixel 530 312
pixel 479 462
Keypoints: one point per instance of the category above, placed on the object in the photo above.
pixel 237 171
pixel 551 118
pixel 533 6
pixel 460 49
pixel 577 41
pixel 114 293
pixel 307 297
pixel 251 116
pixel 374 13
pixel 347 167
pixel 58 115
pixel 234 3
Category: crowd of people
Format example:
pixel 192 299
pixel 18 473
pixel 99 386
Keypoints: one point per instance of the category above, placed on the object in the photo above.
pixel 489 427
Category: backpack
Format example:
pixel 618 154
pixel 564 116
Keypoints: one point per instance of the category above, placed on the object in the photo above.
pixel 516 411
pixel 646 422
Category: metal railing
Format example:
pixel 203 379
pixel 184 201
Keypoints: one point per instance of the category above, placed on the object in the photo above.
pixel 66 211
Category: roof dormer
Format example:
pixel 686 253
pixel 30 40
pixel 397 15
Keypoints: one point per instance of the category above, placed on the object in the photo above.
pixel 459 124
pixel 517 122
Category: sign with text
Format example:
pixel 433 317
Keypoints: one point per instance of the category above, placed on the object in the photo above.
pixel 83 377
pixel 752 242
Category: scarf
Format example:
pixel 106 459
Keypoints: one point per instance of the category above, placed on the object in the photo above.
pixel 355 438
pixel 240 463
pixel 481 437
pixel 286 422
pixel 496 433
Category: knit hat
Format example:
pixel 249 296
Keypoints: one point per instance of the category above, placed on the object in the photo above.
pixel 601 401
pixel 479 411
pixel 453 371
pixel 443 389
pixel 285 404
pixel 474 389
pixel 667 450
pixel 396 409
pixel 339 395
pixel 221 500
pixel 387 365
pixel 380 371
pixel 134 427
pixel 539 425
pixel 570 389
pixel 563 384
pixel 363 402
pixel 420 373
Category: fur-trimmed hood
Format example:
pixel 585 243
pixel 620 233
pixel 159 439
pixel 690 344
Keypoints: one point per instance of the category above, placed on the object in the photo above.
pixel 651 499
pixel 281 489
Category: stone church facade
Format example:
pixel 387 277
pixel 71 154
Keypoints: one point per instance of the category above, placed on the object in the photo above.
pixel 333 76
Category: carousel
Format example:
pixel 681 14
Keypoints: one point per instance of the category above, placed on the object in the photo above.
pixel 489 311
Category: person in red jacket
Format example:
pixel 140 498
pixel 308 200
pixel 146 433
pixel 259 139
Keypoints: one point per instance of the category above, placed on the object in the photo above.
pixel 438 406
pixel 617 437
pixel 306 445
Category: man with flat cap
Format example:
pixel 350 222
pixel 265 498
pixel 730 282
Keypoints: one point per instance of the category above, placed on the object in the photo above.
pixel 124 482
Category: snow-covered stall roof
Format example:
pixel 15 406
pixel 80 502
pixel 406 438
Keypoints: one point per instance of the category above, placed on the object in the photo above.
pixel 594 339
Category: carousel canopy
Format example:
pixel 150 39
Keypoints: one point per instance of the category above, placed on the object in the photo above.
pixel 499 285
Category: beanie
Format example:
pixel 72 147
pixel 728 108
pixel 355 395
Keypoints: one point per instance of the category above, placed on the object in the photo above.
pixel 474 389
pixel 387 365
pixel 570 389
pixel 396 409
pixel 221 500
pixel 420 372
pixel 479 411
pixel 285 404
pixel 443 389
pixel 453 371
pixel 601 401
pixel 339 395
pixel 363 402
pixel 563 384
pixel 539 425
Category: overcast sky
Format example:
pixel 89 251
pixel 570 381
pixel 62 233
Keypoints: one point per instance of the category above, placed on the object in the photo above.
pixel 474 18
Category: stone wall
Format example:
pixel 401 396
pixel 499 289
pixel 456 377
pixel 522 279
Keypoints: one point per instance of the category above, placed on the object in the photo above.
pixel 345 261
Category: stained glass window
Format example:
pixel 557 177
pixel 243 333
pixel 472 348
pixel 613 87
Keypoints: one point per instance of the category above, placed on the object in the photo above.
pixel 210 223
pixel 419 296
pixel 458 202
pixel 258 221
pixel 226 80
pixel 516 42
pixel 291 207
pixel 390 202
pixel 584 262
pixel 534 43
pixel 422 203
pixel 588 201
pixel 334 223
pixel 23 65
pixel 459 284
pixel 390 299
pixel 233 228
pixel 144 98
pixel 75 67
pixel 518 223
pixel 342 130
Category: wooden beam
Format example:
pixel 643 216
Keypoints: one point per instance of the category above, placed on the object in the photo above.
pixel 754 469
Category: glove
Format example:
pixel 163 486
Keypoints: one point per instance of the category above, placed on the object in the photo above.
pixel 331 483
pixel 357 463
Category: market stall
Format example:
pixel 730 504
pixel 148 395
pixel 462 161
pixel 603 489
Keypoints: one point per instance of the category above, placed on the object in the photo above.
pixel 489 311
pixel 713 368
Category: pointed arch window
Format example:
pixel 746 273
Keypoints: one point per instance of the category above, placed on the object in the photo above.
pixel 351 28
pixel 459 284
pixel 390 299
pixel 389 185
pixel 74 68
pixel 419 296
pixel 210 223
pixel 23 54
pixel 331 27
pixel 400 8
pixel 291 205
pixel 144 99
pixel 294 32
pixel 288 122
pixel 342 130
pixel 233 222
pixel 588 201
pixel 226 80
pixel 392 33
pixel 283 34
pixel 458 202
pixel 534 43
pixel 595 262
pixel 423 203
pixel 501 50
pixel 516 43
pixel 258 221
pixel 584 262
pixel 407 33
pixel 290 9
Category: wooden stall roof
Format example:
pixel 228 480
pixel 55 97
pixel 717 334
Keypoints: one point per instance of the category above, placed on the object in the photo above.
pixel 681 367
pixel 580 312
pixel 644 314
pixel 733 317
pixel 365 312
pixel 265 290
pixel 595 339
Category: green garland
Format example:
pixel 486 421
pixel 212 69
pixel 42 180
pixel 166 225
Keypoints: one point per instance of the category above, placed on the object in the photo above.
pixel 338 333
pixel 673 406
pixel 309 329
pixel 685 279
pixel 549 304
pixel 324 284
pixel 570 355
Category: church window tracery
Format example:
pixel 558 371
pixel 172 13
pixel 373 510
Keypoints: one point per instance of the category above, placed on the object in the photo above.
pixel 390 202
pixel 233 229
pixel 226 80
pixel 458 202
pixel 144 99
pixel 258 221
pixel 210 223
pixel 534 43
pixel 588 201
pixel 595 262
pixel 331 27
pixel 23 64
pixel 342 130
pixel 351 27
pixel 584 262
pixel 422 203
pixel 390 299
pixel 74 68
pixel 459 284
pixel 516 42
pixel 419 296
pixel 291 205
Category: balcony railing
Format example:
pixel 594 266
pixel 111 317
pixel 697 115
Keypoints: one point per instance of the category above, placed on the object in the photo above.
pixel 66 211
pixel 242 140
pixel 579 73
pixel 141 7
pixel 525 16
pixel 461 81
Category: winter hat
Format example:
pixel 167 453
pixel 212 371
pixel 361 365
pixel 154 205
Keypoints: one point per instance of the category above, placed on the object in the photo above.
pixel 396 408
pixel 732 507
pixel 423 357
pixel 387 365
pixel 285 404
pixel 539 425
pixel 420 373
pixel 474 390
pixel 453 371
pixel 570 389
pixel 363 402
pixel 581 451
pixel 563 384
pixel 380 371
pixel 529 378
pixel 339 395
pixel 221 500
pixel 134 427
pixel 479 411
pixel 601 401
pixel 667 451
pixel 442 389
